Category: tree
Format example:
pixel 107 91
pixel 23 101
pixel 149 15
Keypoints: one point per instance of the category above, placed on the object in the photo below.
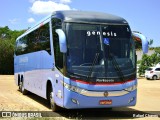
pixel 7 42
pixel 5 33
pixel 149 61
pixel 6 55
pixel 145 62
pixel 157 50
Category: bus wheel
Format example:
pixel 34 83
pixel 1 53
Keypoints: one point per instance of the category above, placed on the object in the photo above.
pixel 53 105
pixel 22 89
pixel 20 86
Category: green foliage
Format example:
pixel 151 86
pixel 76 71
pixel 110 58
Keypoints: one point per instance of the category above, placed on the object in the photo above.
pixel 149 61
pixel 7 42
pixel 157 50
pixel 139 61
pixel 144 64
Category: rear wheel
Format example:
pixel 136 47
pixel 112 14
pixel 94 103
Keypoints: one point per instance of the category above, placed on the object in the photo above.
pixel 154 77
pixel 21 87
pixel 53 105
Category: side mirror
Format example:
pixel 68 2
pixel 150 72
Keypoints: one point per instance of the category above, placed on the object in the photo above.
pixel 62 40
pixel 143 40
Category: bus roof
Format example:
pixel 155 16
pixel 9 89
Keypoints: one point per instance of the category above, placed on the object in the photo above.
pixel 80 17
pixel 88 17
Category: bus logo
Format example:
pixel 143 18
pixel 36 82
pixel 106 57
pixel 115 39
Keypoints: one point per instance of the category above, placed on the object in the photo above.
pixel 105 94
pixel 107 33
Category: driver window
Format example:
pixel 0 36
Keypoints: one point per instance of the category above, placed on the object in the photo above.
pixel 57 54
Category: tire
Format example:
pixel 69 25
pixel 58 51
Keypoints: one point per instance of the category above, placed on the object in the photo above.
pixel 21 87
pixel 154 77
pixel 19 83
pixel 53 105
pixel 109 109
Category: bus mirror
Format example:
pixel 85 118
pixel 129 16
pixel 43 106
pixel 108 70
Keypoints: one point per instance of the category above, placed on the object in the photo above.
pixel 143 40
pixel 62 40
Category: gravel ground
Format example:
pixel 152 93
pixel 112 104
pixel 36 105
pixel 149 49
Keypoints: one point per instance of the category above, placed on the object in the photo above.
pixel 11 99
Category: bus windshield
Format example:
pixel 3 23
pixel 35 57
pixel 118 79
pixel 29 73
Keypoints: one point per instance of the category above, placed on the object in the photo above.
pixel 100 51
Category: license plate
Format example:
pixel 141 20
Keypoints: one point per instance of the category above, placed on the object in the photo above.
pixel 105 102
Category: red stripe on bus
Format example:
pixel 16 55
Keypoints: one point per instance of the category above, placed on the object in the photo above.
pixel 100 83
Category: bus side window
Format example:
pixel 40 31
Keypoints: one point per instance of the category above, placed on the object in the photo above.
pixel 39 39
pixel 57 54
pixel 21 46
pixel 42 38
pixel 17 50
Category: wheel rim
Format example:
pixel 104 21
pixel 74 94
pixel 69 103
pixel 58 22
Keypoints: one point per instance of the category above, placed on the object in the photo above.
pixel 154 77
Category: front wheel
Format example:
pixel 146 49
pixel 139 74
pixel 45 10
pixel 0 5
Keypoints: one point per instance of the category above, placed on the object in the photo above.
pixel 53 105
pixel 154 77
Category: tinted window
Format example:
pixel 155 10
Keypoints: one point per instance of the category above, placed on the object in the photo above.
pixel 157 69
pixel 21 46
pixel 115 31
pixel 56 23
pixel 37 40
pixel 90 48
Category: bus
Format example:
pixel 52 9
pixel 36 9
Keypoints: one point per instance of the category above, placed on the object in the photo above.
pixel 79 59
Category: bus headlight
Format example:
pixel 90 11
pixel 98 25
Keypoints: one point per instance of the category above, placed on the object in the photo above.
pixel 132 88
pixel 73 88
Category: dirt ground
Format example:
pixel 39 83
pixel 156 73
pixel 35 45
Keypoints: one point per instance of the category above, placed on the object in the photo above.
pixel 11 98
pixel 148 98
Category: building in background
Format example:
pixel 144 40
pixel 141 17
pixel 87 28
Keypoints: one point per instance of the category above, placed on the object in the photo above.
pixel 140 53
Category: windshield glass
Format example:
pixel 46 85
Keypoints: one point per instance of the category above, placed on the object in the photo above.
pixel 100 51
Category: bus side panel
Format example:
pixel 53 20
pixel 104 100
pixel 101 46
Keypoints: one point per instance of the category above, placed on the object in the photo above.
pixel 16 70
pixel 19 67
pixel 36 69
pixel 32 71
pixel 42 64
pixel 46 71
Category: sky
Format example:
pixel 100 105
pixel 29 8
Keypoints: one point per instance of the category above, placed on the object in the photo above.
pixel 142 15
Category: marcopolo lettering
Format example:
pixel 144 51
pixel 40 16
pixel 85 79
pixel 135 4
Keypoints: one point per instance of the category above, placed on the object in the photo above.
pixel 108 34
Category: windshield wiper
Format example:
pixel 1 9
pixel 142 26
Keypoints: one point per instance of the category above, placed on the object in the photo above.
pixel 116 66
pixel 93 64
pixel 75 75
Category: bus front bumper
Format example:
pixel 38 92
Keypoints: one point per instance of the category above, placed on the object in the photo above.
pixel 74 100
